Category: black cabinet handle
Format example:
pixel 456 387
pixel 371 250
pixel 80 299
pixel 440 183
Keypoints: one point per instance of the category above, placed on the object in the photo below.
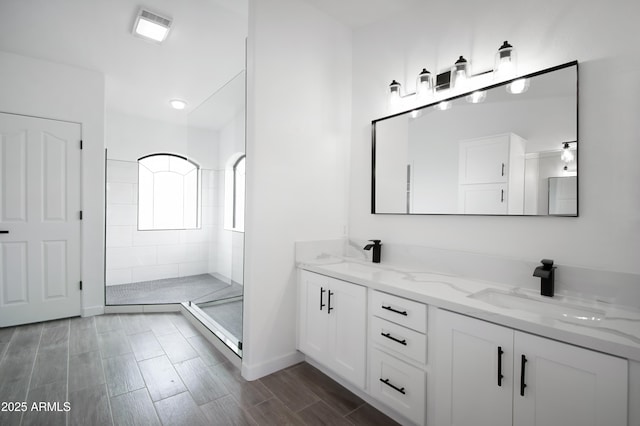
pixel 4 232
pixel 329 308
pixel 389 308
pixel 523 361
pixel 500 376
pixel 502 169
pixel 322 305
pixel 502 195
pixel 386 382
pixel 389 336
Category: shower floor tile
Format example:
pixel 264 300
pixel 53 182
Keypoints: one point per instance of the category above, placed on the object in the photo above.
pixel 197 288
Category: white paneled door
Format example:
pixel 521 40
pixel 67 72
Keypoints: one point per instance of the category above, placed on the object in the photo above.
pixel 39 219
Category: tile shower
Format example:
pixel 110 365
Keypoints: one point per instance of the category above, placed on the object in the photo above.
pixel 202 265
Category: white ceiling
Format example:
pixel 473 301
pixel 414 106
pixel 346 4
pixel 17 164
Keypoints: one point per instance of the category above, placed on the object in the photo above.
pixel 356 13
pixel 204 50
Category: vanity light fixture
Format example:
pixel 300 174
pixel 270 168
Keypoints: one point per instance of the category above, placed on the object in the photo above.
pixel 505 64
pixel 459 77
pixel 178 104
pixel 476 97
pixel 460 73
pixel 424 84
pixel 394 92
pixel 518 86
pixel 151 26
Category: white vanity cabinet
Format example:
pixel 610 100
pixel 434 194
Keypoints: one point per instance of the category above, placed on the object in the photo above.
pixel 332 325
pixel 491 175
pixel 490 375
pixel 398 355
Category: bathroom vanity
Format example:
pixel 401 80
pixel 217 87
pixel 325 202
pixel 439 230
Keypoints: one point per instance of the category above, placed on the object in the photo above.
pixel 438 349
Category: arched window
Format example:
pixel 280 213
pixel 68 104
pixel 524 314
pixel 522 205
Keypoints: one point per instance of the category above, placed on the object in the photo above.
pixel 234 193
pixel 168 192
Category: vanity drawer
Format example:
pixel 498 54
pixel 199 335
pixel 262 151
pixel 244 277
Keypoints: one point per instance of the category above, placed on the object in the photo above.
pixel 399 385
pixel 401 311
pixel 399 339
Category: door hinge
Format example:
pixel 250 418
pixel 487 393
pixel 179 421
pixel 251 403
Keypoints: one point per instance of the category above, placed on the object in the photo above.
pixel 80 214
pixel 80 143
pixel 80 285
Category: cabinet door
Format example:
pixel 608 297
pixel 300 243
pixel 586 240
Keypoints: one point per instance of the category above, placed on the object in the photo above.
pixel 567 385
pixel 484 160
pixel 313 332
pixel 469 355
pixel 483 199
pixel 348 330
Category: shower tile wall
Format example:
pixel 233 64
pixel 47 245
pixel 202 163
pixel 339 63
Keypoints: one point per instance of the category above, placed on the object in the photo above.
pixel 134 255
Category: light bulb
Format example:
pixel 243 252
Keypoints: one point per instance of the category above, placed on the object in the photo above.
pixel 443 106
pixel 416 113
pixel 178 104
pixel 518 86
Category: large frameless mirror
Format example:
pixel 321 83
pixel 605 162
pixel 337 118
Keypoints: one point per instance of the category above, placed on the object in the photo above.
pixel 509 149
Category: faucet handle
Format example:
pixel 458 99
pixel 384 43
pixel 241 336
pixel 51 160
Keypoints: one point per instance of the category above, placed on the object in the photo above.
pixel 547 264
pixel 378 242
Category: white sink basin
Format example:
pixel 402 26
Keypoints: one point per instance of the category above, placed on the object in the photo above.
pixel 541 305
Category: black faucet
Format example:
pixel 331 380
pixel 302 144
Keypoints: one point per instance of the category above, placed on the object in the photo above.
pixel 376 246
pixel 546 273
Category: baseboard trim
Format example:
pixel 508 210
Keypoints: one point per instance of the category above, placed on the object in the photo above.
pixel 92 310
pixel 255 372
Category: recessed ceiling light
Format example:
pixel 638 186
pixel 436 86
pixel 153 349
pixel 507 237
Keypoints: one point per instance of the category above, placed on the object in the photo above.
pixel 178 103
pixel 151 26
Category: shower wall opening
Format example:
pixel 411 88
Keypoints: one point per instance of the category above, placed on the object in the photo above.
pixel 175 214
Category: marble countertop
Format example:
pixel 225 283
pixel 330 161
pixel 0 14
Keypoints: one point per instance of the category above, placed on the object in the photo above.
pixel 591 324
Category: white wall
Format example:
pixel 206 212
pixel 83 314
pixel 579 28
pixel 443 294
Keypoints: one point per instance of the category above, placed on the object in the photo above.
pixel 602 37
pixel 39 88
pixel 299 80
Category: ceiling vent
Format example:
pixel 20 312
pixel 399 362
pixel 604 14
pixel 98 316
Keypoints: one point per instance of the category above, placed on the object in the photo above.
pixel 151 26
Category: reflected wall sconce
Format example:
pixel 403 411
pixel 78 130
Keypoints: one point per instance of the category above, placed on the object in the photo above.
pixel 459 77
pixel 476 97
pixel 518 86
pixel 567 156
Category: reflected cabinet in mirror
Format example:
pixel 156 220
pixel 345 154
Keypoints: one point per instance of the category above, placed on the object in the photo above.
pixel 509 149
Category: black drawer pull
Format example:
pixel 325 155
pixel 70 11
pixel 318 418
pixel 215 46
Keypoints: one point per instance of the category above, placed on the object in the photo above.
pixel 322 305
pixel 329 308
pixel 386 382
pixel 522 383
pixel 389 336
pixel 389 308
pixel 500 376
pixel 4 232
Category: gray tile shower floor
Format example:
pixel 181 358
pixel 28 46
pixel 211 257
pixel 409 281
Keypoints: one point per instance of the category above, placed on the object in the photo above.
pixel 197 288
pixel 152 369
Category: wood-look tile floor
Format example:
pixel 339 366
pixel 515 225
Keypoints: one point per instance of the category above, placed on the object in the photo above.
pixel 154 369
